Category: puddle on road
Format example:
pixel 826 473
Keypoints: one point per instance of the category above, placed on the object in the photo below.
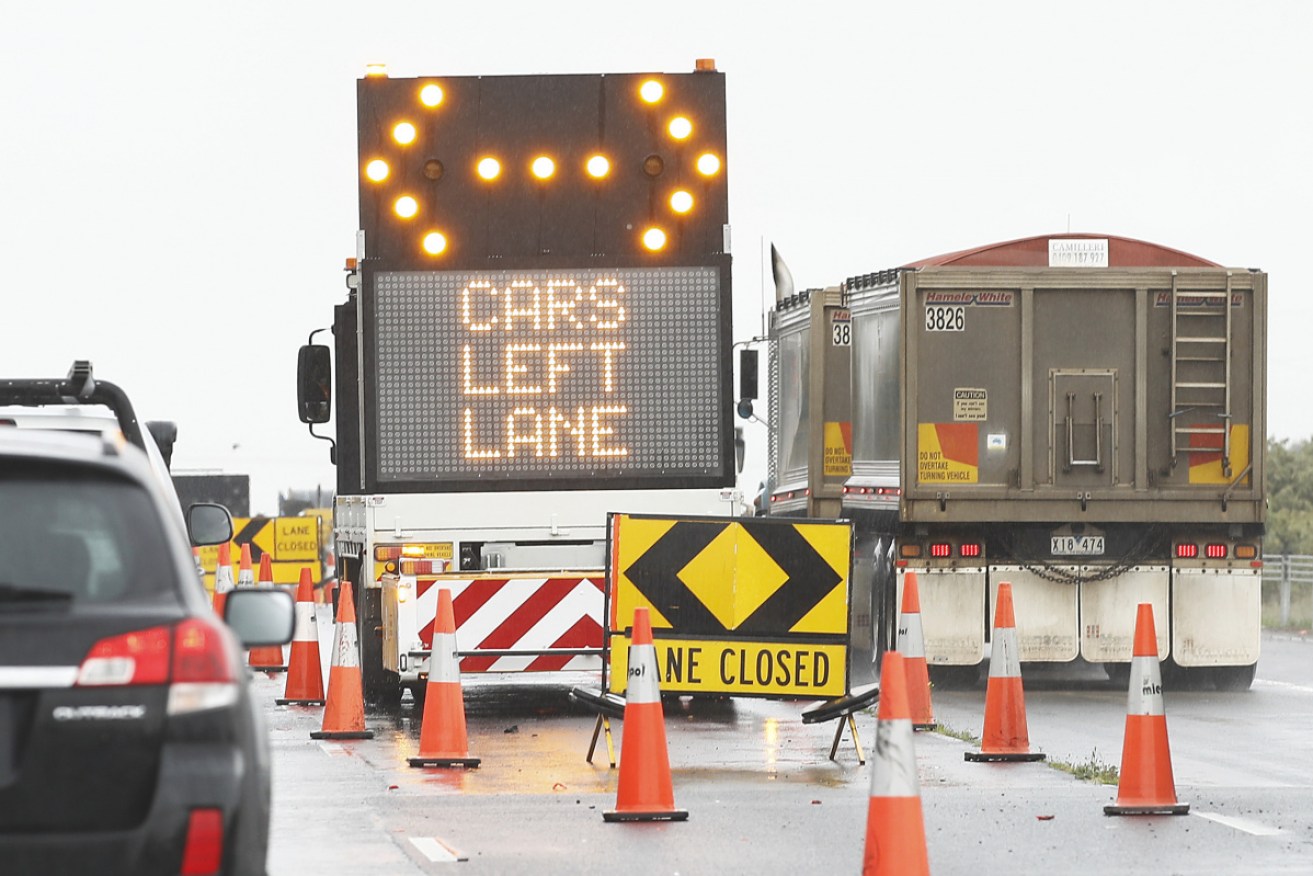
pixel 532 739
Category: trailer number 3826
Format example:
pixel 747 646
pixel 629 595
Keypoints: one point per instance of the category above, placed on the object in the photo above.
pixel 939 318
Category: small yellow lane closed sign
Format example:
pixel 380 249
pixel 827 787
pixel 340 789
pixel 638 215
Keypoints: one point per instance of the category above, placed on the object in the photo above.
pixel 739 606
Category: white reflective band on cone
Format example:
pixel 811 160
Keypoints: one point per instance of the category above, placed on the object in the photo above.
pixel 245 578
pixel 223 579
pixel 306 630
pixel 1145 695
pixel 643 686
pixel 344 646
pixel 1004 660
pixel 910 641
pixel 443 662
pixel 893 774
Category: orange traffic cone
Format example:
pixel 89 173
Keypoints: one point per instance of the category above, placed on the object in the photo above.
pixel 1146 786
pixel 442 740
pixel 245 577
pixel 1005 736
pixel 305 678
pixel 911 644
pixel 268 658
pixel 344 707
pixel 645 792
pixel 895 828
pixel 200 567
pixel 223 578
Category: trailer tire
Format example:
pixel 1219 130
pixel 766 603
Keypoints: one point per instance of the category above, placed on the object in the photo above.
pixel 1118 673
pixel 1234 679
pixel 382 687
pixel 955 677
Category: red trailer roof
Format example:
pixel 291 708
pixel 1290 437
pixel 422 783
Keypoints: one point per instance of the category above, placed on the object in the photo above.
pixel 1033 252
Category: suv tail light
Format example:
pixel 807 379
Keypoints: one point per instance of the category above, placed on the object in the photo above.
pixel 193 657
pixel 139 657
pixel 203 852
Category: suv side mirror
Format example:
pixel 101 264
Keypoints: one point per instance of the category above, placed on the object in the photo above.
pixel 208 523
pixel 314 384
pixel 260 618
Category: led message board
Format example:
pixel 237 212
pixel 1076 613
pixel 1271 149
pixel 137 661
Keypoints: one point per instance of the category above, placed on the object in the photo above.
pixel 545 293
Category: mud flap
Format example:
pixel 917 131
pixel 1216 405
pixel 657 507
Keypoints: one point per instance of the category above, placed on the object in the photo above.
pixel 1048 620
pixel 1216 616
pixel 1107 612
pixel 952 614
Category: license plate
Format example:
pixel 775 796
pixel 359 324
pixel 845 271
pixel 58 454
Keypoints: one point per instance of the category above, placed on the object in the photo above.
pixel 1076 545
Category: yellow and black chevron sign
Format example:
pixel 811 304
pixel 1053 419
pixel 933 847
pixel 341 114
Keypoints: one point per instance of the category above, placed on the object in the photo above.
pixel 291 542
pixel 739 606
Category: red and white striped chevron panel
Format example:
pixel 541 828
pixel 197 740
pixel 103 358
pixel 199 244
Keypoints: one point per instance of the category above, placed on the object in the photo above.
pixel 526 615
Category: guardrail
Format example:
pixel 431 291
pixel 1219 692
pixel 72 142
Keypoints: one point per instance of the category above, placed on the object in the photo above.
pixel 1285 572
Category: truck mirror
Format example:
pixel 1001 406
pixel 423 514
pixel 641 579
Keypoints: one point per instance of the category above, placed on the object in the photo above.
pixel 747 374
pixel 165 434
pixel 314 384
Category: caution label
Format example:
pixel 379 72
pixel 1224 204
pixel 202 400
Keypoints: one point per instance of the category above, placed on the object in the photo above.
pixel 838 461
pixel 947 453
pixel 774 669
pixel 970 404
pixel 738 606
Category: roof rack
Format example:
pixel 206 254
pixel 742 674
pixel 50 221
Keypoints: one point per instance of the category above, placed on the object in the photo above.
pixel 79 388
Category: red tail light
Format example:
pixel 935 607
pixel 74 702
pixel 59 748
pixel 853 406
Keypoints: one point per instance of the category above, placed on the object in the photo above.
pixel 139 657
pixel 203 852
pixel 941 549
pixel 200 653
pixel 969 550
pixel 1215 551
pixel 423 567
pixel 1187 551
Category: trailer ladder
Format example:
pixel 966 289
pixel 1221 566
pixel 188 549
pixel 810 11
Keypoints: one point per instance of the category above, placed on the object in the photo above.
pixel 1201 371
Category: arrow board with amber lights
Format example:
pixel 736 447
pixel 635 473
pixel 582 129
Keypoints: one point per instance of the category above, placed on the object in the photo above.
pixel 746 607
pixel 545 289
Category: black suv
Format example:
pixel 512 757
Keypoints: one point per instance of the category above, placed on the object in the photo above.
pixel 129 742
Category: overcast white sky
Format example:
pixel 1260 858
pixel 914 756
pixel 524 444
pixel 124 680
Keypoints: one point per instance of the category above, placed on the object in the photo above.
pixel 177 182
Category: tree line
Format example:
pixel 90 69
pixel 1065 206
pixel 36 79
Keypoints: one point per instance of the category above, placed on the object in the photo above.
pixel 1290 497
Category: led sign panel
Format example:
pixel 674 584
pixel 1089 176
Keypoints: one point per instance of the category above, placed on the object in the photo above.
pixel 545 288
pixel 547 375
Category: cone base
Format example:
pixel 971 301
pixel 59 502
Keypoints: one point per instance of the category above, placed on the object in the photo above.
pixel 268 668
pixel 468 762
pixel 1003 756
pixel 1165 809
pixel 925 726
pixel 651 815
pixel 284 702
pixel 342 734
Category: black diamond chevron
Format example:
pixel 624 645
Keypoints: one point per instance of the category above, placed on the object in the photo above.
pixel 656 575
pixel 809 580
pixel 248 534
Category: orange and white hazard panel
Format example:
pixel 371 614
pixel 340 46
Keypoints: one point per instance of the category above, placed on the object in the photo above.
pixel 525 624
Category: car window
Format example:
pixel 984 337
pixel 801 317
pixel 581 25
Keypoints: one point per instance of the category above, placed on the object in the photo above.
pixel 77 534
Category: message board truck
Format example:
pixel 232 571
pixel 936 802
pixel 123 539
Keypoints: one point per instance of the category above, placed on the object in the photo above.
pixel 536 333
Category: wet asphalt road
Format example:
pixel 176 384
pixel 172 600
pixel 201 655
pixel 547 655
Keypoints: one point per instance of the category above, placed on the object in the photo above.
pixel 764 798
